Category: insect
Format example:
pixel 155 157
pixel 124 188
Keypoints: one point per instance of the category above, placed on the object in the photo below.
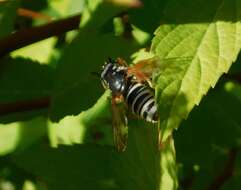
pixel 130 85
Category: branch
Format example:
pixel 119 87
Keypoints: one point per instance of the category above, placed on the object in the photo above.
pixel 187 182
pixel 236 77
pixel 22 106
pixel 30 35
pixel 227 172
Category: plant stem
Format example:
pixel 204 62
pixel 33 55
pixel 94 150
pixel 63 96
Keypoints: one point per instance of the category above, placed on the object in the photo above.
pixel 28 36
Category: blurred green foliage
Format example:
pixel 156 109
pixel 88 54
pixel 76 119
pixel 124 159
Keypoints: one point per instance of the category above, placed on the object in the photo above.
pixel 55 130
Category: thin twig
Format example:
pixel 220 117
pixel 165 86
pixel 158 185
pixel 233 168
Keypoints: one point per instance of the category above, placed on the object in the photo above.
pixel 236 77
pixel 22 106
pixel 227 173
pixel 30 35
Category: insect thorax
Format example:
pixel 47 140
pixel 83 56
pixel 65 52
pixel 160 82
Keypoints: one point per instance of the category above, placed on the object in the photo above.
pixel 113 77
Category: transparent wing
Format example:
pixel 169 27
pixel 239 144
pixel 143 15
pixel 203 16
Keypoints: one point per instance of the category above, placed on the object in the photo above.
pixel 144 68
pixel 147 68
pixel 119 125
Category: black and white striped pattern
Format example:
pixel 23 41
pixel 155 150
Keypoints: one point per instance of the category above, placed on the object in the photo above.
pixel 141 101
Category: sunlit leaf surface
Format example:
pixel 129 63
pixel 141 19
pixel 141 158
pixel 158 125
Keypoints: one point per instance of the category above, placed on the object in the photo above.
pixel 211 38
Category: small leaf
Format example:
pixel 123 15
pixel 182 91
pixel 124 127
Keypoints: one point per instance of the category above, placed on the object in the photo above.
pixel 213 44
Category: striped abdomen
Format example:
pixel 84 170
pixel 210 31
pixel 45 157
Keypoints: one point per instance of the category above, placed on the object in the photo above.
pixel 140 101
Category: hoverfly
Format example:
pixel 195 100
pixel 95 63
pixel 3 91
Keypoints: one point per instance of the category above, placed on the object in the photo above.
pixel 132 86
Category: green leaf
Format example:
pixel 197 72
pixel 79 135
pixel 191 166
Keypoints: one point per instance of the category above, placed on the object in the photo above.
pixel 149 15
pixel 76 6
pixel 8 12
pixel 20 135
pixel 234 182
pixel 169 179
pixel 94 126
pixel 23 80
pixel 98 167
pixel 91 126
pixel 40 51
pixel 64 8
pixel 99 12
pixel 210 37
pixel 211 131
